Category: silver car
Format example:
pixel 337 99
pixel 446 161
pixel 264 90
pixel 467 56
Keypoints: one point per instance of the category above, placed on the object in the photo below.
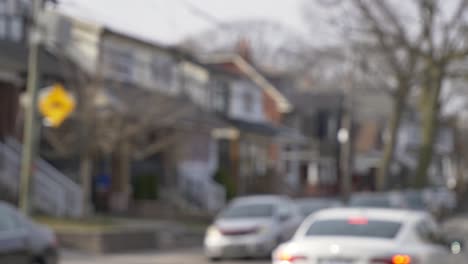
pixel 24 242
pixel 251 227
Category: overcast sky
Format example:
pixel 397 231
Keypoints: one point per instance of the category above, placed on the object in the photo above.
pixel 170 21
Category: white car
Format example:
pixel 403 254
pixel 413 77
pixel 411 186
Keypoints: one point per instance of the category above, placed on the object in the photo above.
pixel 251 227
pixel 367 236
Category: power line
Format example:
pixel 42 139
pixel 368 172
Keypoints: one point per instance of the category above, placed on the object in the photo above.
pixel 205 15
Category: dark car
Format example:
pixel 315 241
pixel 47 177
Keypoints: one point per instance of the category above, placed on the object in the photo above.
pixel 377 200
pixel 24 242
pixel 415 200
pixel 308 206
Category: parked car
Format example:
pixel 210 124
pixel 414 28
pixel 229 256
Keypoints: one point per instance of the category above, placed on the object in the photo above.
pixel 444 199
pixel 24 242
pixel 416 200
pixel 308 206
pixel 358 235
pixel 251 227
pixel 438 201
pixel 377 200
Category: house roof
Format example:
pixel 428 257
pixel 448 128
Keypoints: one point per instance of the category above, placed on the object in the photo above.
pixel 235 64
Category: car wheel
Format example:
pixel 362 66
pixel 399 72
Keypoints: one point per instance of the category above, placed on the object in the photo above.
pixel 47 258
pixel 214 259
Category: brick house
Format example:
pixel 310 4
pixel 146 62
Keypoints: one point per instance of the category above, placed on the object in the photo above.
pixel 254 108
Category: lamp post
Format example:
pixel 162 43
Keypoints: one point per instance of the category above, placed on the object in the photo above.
pixel 345 155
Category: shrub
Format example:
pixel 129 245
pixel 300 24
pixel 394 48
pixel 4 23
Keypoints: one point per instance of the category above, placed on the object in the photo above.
pixel 145 187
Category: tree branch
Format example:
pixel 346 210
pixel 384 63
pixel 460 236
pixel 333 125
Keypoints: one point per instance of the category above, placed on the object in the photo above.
pixel 428 10
pixel 453 24
pixel 401 34
pixel 377 29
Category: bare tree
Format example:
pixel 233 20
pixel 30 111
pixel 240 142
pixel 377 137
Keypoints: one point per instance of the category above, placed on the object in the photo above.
pixel 382 48
pixel 417 43
pixel 396 52
pixel 443 45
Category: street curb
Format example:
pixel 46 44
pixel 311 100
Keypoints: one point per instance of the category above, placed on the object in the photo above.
pixel 126 239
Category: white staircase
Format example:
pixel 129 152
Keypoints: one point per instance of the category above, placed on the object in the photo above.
pixel 207 195
pixel 53 193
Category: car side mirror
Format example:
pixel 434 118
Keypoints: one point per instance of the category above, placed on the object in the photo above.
pixel 455 246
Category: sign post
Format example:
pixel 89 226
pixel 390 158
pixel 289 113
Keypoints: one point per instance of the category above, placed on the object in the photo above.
pixel 30 129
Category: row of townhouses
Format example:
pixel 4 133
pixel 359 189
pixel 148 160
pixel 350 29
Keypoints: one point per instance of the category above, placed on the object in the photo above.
pixel 157 122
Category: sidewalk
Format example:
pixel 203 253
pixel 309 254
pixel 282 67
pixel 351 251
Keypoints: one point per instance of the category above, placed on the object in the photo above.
pixel 118 235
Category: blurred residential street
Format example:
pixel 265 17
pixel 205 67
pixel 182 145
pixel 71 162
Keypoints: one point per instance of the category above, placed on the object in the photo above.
pixel 193 256
pixel 187 131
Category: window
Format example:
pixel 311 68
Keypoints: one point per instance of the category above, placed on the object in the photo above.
pixel 355 228
pixel 7 220
pixel 220 90
pixel 374 201
pixel 12 7
pixel 162 70
pixel 3 27
pixel 3 7
pixel 249 211
pixel 120 64
pixel 248 101
pixel 321 121
pixel 16 29
pixel 285 210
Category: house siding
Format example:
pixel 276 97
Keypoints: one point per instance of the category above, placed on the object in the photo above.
pixel 270 109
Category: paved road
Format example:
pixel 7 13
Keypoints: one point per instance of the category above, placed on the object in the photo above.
pixel 192 256
pixel 177 257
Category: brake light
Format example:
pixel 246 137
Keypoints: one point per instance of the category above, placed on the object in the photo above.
pixel 289 258
pixel 401 259
pixel 358 221
pixel 396 259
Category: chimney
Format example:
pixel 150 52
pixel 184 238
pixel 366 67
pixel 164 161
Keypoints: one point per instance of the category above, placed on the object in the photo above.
pixel 243 49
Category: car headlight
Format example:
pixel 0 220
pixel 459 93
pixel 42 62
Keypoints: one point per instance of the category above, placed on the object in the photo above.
pixel 213 231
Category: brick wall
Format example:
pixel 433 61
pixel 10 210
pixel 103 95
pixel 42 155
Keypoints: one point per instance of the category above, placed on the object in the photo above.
pixel 271 109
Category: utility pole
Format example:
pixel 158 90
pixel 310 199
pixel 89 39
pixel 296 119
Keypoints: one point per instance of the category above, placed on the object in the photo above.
pixel 30 123
pixel 344 138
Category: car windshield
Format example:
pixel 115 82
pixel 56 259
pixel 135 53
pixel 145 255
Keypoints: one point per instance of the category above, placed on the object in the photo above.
pixel 415 201
pixel 355 228
pixel 249 211
pixel 370 201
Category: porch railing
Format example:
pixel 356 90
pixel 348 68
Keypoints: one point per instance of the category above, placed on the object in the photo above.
pixel 53 192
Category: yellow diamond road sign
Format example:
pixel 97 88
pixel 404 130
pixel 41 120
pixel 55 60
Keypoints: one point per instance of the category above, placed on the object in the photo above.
pixel 56 104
